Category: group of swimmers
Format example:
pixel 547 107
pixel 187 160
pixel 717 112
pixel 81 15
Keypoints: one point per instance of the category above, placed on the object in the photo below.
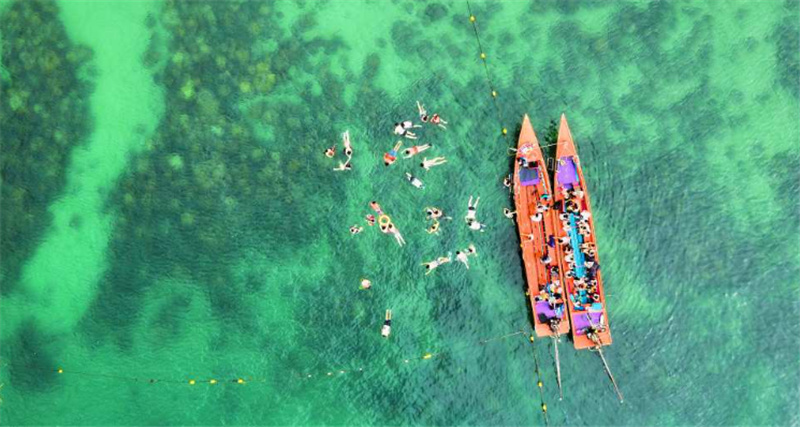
pixel 384 222
pixel 461 256
pixel 330 152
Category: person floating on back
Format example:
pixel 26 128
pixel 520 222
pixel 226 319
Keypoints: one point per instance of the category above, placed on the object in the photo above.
pixel 428 164
pixel 343 166
pixel 413 151
pixel 348 149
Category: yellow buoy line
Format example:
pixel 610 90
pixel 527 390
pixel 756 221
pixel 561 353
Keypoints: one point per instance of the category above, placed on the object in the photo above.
pixel 492 88
pixel 192 380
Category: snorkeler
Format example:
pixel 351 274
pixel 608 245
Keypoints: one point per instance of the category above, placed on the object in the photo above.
pixel 413 151
pixel 416 182
pixel 462 257
pixel 428 164
pixel 391 156
pixel 471 209
pixel 387 324
pixel 434 119
pixel 402 129
pixel 435 213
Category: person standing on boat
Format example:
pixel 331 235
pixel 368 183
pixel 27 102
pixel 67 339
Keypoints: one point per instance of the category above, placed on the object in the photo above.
pixel 387 324
pixel 391 156
pixel 428 164
pixel 413 151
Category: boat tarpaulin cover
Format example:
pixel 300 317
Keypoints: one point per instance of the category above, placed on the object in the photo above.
pixel 581 322
pixel 566 171
pixel 528 177
pixel 545 313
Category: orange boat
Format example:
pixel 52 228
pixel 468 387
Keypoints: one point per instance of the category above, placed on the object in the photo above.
pixel 535 220
pixel 574 226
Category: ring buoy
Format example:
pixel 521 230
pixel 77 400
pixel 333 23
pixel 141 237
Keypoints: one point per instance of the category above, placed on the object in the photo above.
pixel 384 220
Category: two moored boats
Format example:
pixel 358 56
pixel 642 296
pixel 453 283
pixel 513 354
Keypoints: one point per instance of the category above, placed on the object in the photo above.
pixel 558 242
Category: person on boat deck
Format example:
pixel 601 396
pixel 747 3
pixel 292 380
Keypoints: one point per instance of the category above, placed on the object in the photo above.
pixel 402 129
pixel 554 272
pixel 472 209
pixel 434 228
pixel 586 215
pixel 343 167
pixel 348 150
pixel 523 162
pixel 356 229
pixel 531 237
pixel 391 156
pixel 572 207
pixel 508 213
pixel 370 220
pixel 578 193
pixel 376 207
pixel 428 164
pixel 416 182
pixel 545 197
pixel 594 269
pixel 387 324
pixel 551 241
pixel 413 151
pixel 541 208
pixel 546 258
pixel 433 265
pixel 537 217
pixel 330 152
pixel 564 240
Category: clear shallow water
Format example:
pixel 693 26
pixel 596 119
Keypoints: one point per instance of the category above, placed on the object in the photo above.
pixel 191 228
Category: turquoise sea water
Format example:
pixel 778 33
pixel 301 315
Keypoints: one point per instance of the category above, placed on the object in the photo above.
pixel 167 212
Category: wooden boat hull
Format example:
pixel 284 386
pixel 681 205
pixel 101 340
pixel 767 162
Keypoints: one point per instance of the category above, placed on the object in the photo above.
pixel 530 184
pixel 569 174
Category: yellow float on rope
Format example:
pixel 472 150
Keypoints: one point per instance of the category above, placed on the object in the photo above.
pixel 191 382
pixel 505 131
pixel 472 18
pixel 60 370
pixel 212 381
pixel 384 220
pixel 494 94
pixel 427 356
pixel 544 407
pixel 483 55
pixel 240 381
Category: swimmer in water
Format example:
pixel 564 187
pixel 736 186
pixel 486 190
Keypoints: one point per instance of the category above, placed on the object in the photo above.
pixel 370 220
pixel 391 156
pixel 433 265
pixel 463 256
pixel 330 152
pixel 428 164
pixel 413 151
pixel 402 129
pixel 348 150
pixel 387 324
pixel 434 228
pixel 508 213
pixel 416 182
pixel 356 229
pixel 343 167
